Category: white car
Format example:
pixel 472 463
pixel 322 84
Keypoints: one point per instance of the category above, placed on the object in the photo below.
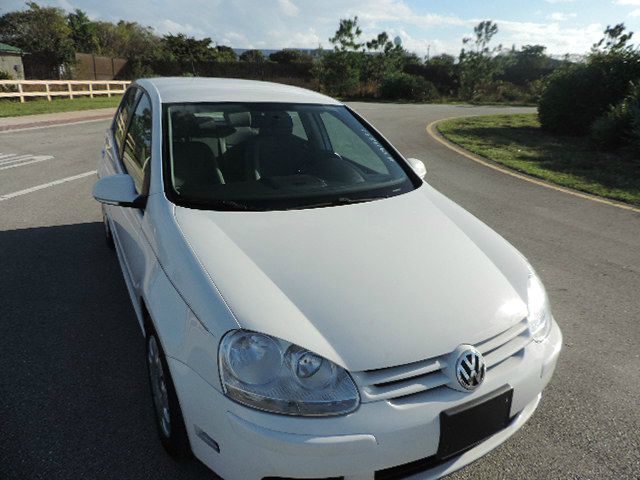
pixel 312 308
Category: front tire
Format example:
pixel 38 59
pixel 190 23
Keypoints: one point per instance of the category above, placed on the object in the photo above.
pixel 169 420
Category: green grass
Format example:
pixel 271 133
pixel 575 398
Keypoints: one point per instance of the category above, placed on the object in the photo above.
pixel 518 142
pixel 11 108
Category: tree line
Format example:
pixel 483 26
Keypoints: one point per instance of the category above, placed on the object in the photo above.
pixel 598 96
pixel 352 67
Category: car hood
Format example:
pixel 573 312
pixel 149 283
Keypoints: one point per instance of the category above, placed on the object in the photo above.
pixel 368 285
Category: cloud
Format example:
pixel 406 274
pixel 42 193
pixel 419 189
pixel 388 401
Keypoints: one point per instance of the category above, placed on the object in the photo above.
pixel 635 13
pixel 424 26
pixel 169 26
pixel 633 3
pixel 558 39
pixel 396 11
pixel 561 17
pixel 288 8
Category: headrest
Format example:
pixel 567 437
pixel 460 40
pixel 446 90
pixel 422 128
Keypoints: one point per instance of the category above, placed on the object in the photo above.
pixel 183 125
pixel 238 119
pixel 186 125
pixel 273 123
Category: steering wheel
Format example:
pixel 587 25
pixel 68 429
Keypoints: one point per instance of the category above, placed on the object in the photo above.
pixel 315 158
pixel 331 167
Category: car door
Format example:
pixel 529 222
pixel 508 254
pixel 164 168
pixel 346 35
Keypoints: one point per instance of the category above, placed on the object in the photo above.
pixel 134 159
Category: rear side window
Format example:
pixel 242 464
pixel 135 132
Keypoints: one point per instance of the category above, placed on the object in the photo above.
pixel 120 123
pixel 137 146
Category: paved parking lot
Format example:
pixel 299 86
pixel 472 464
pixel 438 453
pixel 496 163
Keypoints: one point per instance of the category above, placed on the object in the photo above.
pixel 74 398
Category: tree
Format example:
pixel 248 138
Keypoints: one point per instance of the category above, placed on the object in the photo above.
pixel 443 71
pixel 83 32
pixel 576 95
pixel 483 32
pixel 340 70
pixel 224 53
pixel 528 64
pixel 138 44
pixel 187 51
pixel 381 43
pixel 385 58
pixel 477 67
pixel 338 73
pixel 43 33
pixel 252 56
pixel 616 39
pixel 347 37
pixel 290 55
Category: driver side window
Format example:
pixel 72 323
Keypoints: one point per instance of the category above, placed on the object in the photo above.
pixel 136 156
pixel 349 145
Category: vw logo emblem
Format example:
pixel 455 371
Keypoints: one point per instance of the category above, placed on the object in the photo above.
pixel 470 368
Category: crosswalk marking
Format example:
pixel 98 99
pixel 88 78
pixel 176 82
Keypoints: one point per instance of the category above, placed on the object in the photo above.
pixel 13 160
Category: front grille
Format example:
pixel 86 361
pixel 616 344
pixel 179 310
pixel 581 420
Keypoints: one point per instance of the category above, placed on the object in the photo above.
pixel 427 375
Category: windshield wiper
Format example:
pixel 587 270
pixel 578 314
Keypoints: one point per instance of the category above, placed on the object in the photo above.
pixel 221 204
pixel 336 202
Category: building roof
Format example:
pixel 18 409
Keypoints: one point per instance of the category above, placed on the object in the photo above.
pixel 10 49
pixel 199 89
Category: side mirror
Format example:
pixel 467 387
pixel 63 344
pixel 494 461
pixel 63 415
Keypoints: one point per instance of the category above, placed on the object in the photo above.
pixel 118 190
pixel 418 167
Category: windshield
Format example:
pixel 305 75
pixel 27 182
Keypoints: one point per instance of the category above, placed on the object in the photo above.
pixel 268 156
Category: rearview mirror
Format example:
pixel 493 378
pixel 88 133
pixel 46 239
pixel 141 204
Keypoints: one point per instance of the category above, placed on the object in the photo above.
pixel 118 190
pixel 418 167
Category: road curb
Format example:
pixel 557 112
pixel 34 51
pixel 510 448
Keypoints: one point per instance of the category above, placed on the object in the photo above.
pixel 440 138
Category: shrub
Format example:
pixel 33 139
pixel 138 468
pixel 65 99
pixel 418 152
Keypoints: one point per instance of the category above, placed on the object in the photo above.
pixel 635 131
pixel 620 125
pixel 611 130
pixel 4 75
pixel 504 92
pixel 441 70
pixel 576 95
pixel 339 72
pixel 407 87
pixel 633 104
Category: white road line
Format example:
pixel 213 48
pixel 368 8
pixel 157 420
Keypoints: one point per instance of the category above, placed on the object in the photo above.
pixel 18 129
pixel 12 158
pixel 27 161
pixel 7 196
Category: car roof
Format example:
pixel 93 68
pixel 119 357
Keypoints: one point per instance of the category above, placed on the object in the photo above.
pixel 200 89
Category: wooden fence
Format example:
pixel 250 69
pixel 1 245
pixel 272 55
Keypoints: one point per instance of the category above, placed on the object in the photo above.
pixel 60 88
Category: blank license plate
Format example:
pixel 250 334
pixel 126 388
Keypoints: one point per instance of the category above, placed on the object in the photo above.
pixel 466 425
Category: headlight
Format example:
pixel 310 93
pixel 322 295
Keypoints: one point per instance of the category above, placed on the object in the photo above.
pixel 273 375
pixel 538 305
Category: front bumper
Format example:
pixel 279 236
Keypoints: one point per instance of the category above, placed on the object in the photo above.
pixel 376 437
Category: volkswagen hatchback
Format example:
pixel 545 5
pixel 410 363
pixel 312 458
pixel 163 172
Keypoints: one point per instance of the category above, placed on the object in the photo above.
pixel 311 307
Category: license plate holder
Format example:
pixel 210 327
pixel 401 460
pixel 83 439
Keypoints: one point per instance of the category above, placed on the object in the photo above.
pixel 466 425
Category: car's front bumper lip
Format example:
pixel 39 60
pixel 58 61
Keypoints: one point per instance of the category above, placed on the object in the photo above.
pixel 296 444
pixel 291 443
pixel 377 436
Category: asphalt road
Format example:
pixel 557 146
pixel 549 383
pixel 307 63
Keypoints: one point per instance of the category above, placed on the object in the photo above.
pixel 74 397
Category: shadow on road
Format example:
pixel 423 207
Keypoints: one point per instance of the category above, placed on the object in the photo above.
pixel 74 396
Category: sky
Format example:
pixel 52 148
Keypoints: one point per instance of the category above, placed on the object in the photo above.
pixel 425 26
